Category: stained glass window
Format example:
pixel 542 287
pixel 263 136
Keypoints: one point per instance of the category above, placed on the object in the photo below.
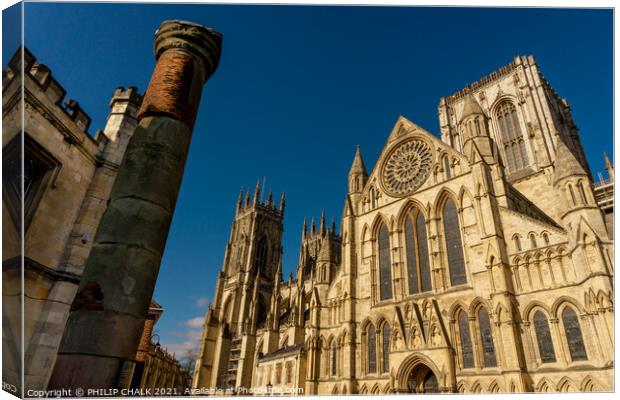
pixel 387 331
pixel 425 268
pixel 418 266
pixel 543 337
pixel 572 329
pixel 486 337
pixel 385 264
pixel 412 259
pixel 466 346
pixel 372 350
pixel 511 136
pixel 454 247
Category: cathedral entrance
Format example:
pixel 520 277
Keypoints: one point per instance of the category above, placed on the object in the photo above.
pixel 422 380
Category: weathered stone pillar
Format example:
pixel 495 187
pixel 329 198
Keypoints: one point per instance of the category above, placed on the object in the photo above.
pixel 109 310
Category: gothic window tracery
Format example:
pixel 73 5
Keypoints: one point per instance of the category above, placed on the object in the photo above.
pixel 372 349
pixel 486 338
pixel 262 249
pixel 572 330
pixel 511 136
pixel 406 167
pixel 454 245
pixel 418 265
pixel 385 264
pixel 543 338
pixel 466 345
pixel 386 334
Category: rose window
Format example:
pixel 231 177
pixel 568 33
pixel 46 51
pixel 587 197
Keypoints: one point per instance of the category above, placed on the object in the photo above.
pixel 406 167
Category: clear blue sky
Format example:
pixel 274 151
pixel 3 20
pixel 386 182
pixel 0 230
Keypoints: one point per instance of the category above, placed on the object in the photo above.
pixel 297 88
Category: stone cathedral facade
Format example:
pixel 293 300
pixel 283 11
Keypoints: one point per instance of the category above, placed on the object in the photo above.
pixel 481 262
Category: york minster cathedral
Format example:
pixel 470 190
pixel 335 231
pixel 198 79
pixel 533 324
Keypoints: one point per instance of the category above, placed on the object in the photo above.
pixel 478 262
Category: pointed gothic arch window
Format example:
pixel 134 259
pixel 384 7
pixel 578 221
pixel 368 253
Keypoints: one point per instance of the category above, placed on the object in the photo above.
pixel 467 350
pixel 416 243
pixel 574 338
pixel 511 136
pixel 543 338
pixel 385 264
pixel 454 244
pixel 262 248
pixel 385 337
pixel 372 349
pixel 486 338
pixel 334 358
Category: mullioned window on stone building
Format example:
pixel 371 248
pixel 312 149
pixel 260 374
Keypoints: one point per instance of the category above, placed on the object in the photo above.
pixel 466 346
pixel 372 350
pixel 418 266
pixel 387 332
pixel 511 136
pixel 574 338
pixel 486 337
pixel 543 337
pixel 385 264
pixel 454 244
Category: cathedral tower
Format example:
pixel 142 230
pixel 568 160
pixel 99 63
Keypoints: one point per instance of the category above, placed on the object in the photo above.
pixel 244 288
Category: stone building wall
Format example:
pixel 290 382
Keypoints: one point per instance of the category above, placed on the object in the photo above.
pixel 69 174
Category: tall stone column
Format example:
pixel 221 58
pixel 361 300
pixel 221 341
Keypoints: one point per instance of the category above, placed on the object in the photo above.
pixel 108 313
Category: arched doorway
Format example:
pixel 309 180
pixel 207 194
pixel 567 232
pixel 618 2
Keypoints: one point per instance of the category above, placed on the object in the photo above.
pixel 422 380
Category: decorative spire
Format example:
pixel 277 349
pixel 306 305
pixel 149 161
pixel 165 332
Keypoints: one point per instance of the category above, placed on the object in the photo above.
pixel 333 226
pixel 304 229
pixel 609 167
pixel 247 199
pixel 282 203
pixel 358 166
pixel 240 200
pixel 256 193
pixel 357 173
pixel 269 198
pixel 322 226
pixel 312 227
